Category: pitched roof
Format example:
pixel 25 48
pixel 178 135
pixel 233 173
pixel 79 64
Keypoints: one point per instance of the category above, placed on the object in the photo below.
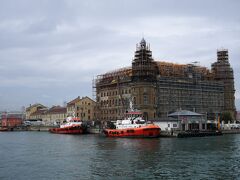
pixel 57 110
pixel 71 103
pixel 35 105
pixel 39 112
pixel 86 97
pixel 184 113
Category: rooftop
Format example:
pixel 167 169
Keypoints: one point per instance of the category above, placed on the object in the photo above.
pixel 184 113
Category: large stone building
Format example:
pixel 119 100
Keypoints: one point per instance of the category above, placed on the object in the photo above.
pixel 158 88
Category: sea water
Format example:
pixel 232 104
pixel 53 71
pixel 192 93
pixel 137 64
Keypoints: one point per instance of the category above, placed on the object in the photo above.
pixel 41 155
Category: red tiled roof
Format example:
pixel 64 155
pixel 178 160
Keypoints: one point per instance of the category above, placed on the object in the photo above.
pixel 39 112
pixel 73 101
pixel 57 110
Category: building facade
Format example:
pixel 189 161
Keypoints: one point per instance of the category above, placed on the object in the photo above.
pixel 223 72
pixel 84 108
pixel 71 106
pixel 158 88
pixel 50 116
pixel 33 108
pixel 11 119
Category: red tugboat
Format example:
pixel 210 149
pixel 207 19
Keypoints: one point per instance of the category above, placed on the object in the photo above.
pixel 72 126
pixel 133 126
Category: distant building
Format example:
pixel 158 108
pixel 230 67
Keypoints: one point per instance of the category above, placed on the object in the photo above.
pixel 55 114
pixel 39 114
pixel 48 116
pixel 11 119
pixel 186 121
pixel 33 108
pixel 189 120
pixel 84 108
pixel 159 88
pixel 71 106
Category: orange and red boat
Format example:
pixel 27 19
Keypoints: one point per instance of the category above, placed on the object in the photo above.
pixel 133 126
pixel 72 126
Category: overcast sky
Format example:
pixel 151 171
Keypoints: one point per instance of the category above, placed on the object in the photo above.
pixel 50 50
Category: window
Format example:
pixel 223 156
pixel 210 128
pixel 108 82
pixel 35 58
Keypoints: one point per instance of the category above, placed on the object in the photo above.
pixel 145 90
pixel 130 131
pixel 145 99
pixel 134 100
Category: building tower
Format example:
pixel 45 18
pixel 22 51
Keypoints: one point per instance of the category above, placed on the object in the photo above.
pixel 143 66
pixel 144 71
pixel 223 72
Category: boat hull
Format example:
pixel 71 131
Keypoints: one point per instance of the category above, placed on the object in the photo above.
pixel 3 129
pixel 67 130
pixel 150 131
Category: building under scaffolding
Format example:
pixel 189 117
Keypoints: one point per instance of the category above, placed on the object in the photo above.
pixel 159 88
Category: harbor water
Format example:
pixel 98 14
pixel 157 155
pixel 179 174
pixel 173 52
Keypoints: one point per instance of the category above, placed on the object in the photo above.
pixel 41 155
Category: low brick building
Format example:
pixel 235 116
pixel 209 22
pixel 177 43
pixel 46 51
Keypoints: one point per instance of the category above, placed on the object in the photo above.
pixel 11 120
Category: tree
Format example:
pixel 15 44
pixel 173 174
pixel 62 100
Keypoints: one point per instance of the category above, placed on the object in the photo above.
pixel 226 116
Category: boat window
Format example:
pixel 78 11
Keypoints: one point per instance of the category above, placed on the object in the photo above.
pixel 140 122
pixel 149 129
pixel 130 131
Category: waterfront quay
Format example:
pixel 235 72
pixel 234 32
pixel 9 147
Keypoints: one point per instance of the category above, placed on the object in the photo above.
pixel 182 123
pixel 164 133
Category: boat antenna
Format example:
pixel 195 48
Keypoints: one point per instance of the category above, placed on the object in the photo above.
pixel 131 104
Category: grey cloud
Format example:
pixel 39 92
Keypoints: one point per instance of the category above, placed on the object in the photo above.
pixel 48 46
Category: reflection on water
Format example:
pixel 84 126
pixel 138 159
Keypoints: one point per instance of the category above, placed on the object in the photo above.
pixel 124 157
pixel 35 155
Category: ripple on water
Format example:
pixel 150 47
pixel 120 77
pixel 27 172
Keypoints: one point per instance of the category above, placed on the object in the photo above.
pixel 51 156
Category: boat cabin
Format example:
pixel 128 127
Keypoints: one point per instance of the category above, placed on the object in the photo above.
pixel 131 120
